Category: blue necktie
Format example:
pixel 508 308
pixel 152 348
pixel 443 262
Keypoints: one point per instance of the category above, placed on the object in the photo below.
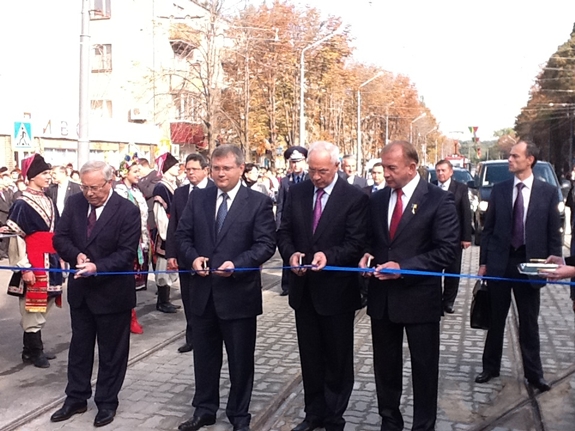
pixel 222 213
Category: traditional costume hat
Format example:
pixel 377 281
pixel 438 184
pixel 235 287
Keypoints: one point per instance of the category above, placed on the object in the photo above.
pixel 165 162
pixel 34 165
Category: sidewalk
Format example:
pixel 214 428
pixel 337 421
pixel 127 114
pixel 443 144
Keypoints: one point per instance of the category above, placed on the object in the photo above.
pixel 160 382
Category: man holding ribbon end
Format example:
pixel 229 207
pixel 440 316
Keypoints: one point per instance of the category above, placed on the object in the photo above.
pixel 98 235
pixel 414 226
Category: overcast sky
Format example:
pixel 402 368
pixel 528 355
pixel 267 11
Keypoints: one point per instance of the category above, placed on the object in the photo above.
pixel 472 61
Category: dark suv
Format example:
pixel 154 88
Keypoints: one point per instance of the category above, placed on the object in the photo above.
pixel 495 171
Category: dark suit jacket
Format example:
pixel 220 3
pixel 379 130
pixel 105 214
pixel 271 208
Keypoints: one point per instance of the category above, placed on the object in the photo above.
pixel 247 239
pixel 358 181
pixel 112 246
pixel 72 189
pixel 146 186
pixel 285 184
pixel 426 240
pixel 181 195
pixel 461 195
pixel 542 226
pixel 341 235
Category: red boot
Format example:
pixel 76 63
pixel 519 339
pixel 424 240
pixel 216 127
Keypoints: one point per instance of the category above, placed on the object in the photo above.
pixel 135 327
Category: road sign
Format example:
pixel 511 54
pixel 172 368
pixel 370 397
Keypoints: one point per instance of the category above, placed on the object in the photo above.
pixel 22 134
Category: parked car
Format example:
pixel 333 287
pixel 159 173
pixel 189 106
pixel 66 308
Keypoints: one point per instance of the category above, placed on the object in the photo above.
pixel 492 172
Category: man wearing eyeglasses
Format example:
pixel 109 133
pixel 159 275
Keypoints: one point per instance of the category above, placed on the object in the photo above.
pixel 324 223
pixel 197 171
pixel 223 228
pixel 98 234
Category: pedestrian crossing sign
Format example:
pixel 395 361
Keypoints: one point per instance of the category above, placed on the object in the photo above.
pixel 22 134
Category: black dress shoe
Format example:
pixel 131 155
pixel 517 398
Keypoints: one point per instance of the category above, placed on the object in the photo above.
pixel 104 417
pixel 308 426
pixel 67 411
pixel 540 384
pixel 449 309
pixel 284 293
pixel 485 376
pixel 197 422
pixel 166 308
pixel 185 348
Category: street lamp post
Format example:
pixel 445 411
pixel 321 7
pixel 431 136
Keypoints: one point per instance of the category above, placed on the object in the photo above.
pixel 411 126
pixel 84 96
pixel 377 75
pixel 301 83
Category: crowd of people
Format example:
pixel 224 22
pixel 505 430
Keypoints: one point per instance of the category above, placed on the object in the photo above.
pixel 205 218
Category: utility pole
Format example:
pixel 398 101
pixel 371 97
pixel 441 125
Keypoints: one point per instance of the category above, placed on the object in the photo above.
pixel 83 111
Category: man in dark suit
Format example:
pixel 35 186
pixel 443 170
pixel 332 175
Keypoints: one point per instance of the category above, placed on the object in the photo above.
pixel 349 168
pixel 414 226
pixel 324 223
pixel 296 158
pixel 522 223
pixel 378 179
pixel 61 188
pixel 197 171
pixel 225 227
pixel 99 232
pixel 445 181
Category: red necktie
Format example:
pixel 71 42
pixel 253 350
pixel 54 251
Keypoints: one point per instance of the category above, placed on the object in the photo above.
pixel 91 221
pixel 317 208
pixel 397 213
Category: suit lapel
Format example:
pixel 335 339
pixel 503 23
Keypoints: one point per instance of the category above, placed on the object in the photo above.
pixel 332 205
pixel 105 218
pixel 417 200
pixel 210 211
pixel 237 207
pixel 532 202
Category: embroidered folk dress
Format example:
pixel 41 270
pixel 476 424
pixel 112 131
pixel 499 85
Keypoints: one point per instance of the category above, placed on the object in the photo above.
pixel 134 195
pixel 33 217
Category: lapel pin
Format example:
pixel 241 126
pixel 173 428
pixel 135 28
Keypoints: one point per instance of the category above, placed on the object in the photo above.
pixel 413 208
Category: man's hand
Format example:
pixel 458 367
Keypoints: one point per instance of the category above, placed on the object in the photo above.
pixel 563 271
pixel 295 261
pixel 172 264
pixel 85 269
pixel 28 277
pixel 558 260
pixel 482 270
pixel 200 265
pixel 226 269
pixel 319 261
pixel 365 262
pixel 465 244
pixel 81 258
pixel 387 276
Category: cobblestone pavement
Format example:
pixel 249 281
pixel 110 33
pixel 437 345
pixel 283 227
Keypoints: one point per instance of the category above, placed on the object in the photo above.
pixel 159 385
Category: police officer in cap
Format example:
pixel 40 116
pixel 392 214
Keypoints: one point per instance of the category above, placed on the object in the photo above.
pixel 296 157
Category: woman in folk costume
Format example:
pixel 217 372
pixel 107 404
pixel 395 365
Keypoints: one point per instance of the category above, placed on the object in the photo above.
pixel 163 195
pixel 33 217
pixel 129 172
